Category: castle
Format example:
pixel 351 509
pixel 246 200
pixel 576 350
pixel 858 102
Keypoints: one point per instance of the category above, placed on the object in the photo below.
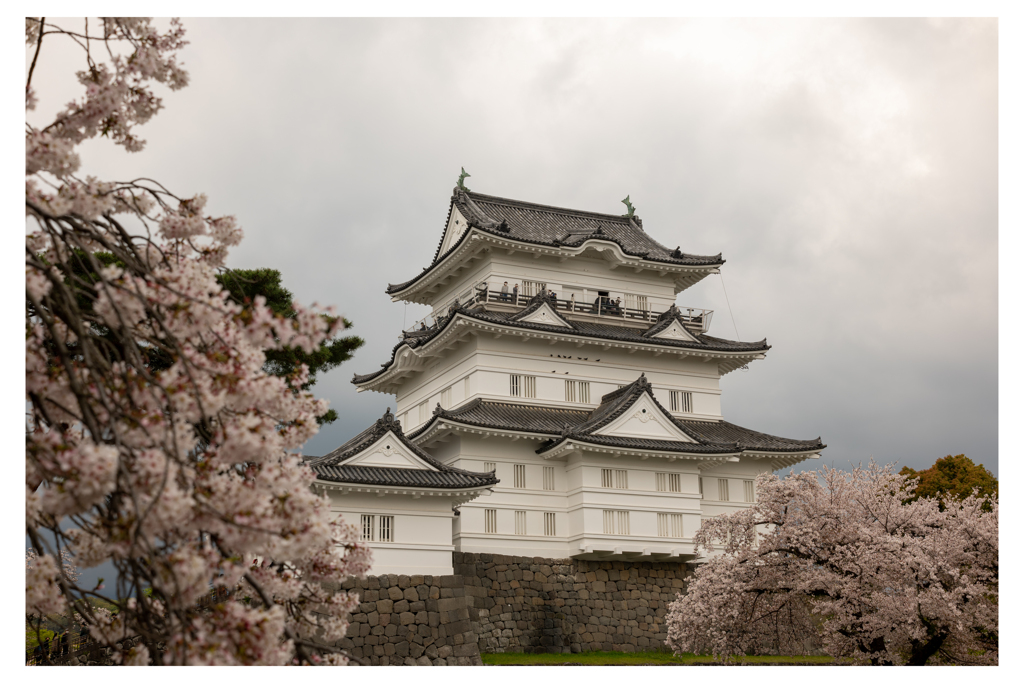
pixel 556 403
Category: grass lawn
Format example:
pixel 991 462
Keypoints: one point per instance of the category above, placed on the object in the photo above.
pixel 630 659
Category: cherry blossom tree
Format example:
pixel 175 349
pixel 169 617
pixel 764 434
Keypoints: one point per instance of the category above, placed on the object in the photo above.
pixel 842 562
pixel 155 440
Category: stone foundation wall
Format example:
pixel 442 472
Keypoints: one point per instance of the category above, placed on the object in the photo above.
pixel 536 604
pixel 502 603
pixel 412 620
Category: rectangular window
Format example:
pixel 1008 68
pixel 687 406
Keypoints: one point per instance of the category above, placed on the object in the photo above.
pixel 490 521
pixel 367 526
pixel 423 412
pixel 616 522
pixel 520 522
pixel 637 301
pixel 387 529
pixel 549 478
pixel 606 479
pixel 490 467
pixel 549 523
pixel 576 391
pixel 700 486
pixel 523 385
pixel 748 491
pixel 681 401
pixel 670 525
pixel 532 288
pixel 667 481
pixel 723 489
pixel 520 476
pixel 446 398
pixel 621 479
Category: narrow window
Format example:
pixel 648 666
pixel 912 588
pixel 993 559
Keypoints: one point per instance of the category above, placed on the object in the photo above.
pixel 723 489
pixel 529 387
pixel 666 481
pixel 670 525
pixel 606 479
pixel 622 519
pixel 549 479
pixel 521 522
pixel 490 521
pixel 700 486
pixel 387 529
pixel 576 391
pixel 681 401
pixel 533 287
pixel 621 479
pixel 549 523
pixel 520 476
pixel 636 301
pixel 609 521
pixel 515 385
pixel 748 491
pixel 490 467
pixel 446 398
pixel 367 526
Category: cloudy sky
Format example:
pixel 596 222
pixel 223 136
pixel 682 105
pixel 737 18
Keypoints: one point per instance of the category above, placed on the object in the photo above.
pixel 846 169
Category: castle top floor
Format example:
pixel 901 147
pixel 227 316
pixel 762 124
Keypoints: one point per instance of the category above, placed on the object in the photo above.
pixel 595 260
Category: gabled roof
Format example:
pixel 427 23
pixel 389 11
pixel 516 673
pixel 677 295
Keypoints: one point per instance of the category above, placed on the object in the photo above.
pixel 557 227
pixel 340 464
pixel 585 426
pixel 586 329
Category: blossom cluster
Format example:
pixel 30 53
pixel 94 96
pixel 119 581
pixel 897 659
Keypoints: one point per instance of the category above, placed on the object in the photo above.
pixel 845 563
pixel 156 440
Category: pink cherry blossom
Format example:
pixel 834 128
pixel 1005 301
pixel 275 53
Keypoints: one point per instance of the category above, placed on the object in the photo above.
pixel 839 561
pixel 156 441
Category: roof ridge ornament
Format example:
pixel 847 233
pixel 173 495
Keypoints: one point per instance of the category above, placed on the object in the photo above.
pixel 629 207
pixel 679 254
pixel 387 422
pixel 463 176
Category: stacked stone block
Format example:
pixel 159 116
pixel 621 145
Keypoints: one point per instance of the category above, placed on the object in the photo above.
pixel 536 604
pixel 411 620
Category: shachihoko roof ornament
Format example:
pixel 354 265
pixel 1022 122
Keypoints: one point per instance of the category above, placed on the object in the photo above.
pixel 629 207
pixel 463 176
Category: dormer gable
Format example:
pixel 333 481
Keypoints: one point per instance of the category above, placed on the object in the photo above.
pixel 456 228
pixel 542 314
pixel 644 419
pixel 389 451
pixel 675 331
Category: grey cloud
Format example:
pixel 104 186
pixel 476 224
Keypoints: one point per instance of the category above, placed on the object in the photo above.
pixel 846 170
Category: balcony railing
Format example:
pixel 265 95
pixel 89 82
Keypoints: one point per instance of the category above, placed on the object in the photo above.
pixel 698 320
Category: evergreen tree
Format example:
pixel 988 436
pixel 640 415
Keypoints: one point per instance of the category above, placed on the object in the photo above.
pixel 955 475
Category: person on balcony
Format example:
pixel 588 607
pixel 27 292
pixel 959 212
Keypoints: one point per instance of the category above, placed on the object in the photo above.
pixel 504 292
pixel 515 294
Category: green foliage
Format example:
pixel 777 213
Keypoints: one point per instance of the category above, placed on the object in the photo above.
pixel 244 285
pixel 954 475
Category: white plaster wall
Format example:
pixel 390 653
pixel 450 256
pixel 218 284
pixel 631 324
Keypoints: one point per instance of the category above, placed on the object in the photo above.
pixel 422 531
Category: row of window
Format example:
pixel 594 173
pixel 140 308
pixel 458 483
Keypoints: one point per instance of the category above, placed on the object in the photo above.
pixel 491 522
pixel 723 489
pixel 668 482
pixel 578 391
pixel 616 523
pixel 379 528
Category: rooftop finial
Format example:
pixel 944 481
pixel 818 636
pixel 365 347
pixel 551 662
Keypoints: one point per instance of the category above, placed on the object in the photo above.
pixel 629 207
pixel 464 175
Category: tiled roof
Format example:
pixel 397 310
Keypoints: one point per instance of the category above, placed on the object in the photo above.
pixel 332 467
pixel 579 328
pixel 554 226
pixel 580 425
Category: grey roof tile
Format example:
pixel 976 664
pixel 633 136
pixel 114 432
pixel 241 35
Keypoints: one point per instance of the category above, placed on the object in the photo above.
pixel 555 226
pixel 332 467
pixel 580 425
pixel 579 328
